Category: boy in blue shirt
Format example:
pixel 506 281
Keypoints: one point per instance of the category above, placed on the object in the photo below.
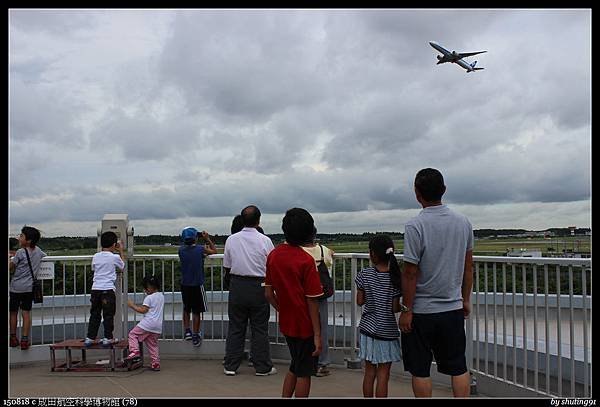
pixel 192 256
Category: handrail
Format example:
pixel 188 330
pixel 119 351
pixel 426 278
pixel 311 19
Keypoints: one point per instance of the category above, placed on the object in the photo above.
pixel 565 261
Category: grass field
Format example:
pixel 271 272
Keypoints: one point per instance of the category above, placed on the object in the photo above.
pixel 489 247
pixel 483 247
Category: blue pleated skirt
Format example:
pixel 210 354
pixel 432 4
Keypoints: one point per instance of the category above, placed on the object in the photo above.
pixel 378 351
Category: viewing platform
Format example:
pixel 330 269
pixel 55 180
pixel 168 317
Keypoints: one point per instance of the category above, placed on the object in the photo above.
pixel 529 334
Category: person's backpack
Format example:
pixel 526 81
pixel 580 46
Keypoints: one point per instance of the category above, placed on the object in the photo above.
pixel 326 280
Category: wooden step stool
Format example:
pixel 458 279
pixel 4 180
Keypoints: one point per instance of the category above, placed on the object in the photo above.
pixel 83 366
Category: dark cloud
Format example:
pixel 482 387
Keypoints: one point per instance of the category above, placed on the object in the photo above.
pixel 242 64
pixel 343 191
pixel 318 192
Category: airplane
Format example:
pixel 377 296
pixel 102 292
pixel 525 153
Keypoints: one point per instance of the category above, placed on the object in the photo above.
pixel 455 57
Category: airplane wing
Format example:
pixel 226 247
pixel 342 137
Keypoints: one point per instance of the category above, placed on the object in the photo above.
pixel 469 54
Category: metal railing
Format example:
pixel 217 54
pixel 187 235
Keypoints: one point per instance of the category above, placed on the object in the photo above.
pixel 522 336
pixel 530 325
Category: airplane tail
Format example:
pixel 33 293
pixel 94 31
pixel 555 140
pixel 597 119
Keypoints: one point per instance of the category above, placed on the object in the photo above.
pixel 473 67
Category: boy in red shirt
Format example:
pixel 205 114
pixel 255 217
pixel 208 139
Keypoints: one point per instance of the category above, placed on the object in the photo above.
pixel 292 286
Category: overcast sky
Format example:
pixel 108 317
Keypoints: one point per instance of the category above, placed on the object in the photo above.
pixel 183 117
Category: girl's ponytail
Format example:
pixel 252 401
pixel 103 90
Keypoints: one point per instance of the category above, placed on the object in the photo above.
pixel 395 276
pixel 382 246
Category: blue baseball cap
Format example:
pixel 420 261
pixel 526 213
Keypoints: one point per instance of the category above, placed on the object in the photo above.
pixel 189 234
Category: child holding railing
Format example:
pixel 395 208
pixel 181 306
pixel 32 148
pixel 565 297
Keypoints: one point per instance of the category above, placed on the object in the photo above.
pixel 193 295
pixel 150 327
pixel 103 298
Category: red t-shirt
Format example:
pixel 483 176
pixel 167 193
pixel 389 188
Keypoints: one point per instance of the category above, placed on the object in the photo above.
pixel 293 275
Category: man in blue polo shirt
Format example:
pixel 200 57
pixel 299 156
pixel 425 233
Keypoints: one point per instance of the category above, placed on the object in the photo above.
pixel 437 282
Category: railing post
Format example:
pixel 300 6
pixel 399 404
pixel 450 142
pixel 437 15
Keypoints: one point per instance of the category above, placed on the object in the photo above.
pixel 118 332
pixel 121 317
pixel 353 361
pixel 469 339
pixel 124 299
pixel 469 350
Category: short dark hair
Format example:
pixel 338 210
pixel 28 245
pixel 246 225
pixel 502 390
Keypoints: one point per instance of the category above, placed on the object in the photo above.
pixel 13 243
pixel 430 184
pixel 107 239
pixel 32 235
pixel 298 226
pixel 151 281
pixel 251 216
pixel 237 224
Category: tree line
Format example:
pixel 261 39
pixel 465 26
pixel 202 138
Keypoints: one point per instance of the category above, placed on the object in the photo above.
pixel 67 242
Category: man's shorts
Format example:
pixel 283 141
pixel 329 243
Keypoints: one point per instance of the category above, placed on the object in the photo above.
pixel 440 335
pixel 20 300
pixel 194 299
pixel 303 363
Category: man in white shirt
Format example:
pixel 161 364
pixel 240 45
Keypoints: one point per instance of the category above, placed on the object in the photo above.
pixel 245 260
pixel 103 298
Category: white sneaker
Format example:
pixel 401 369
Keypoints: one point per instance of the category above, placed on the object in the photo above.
pixel 229 372
pixel 269 373
pixel 88 342
pixel 107 342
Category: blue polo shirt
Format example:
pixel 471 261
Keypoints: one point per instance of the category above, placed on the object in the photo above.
pixel 192 265
pixel 437 240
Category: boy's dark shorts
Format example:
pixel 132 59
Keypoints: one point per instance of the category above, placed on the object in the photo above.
pixel 440 335
pixel 20 300
pixel 303 363
pixel 194 299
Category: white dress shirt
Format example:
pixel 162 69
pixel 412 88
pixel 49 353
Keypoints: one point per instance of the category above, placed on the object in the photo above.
pixel 246 253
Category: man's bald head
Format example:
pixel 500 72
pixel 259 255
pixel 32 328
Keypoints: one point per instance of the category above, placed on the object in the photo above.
pixel 251 216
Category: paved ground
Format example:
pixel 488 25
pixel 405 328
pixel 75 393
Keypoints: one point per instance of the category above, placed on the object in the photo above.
pixel 190 378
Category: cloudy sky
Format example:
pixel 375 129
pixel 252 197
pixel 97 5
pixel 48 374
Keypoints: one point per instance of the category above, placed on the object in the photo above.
pixel 180 117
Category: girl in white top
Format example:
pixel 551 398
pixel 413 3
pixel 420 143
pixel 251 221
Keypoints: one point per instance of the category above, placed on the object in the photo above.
pixel 150 327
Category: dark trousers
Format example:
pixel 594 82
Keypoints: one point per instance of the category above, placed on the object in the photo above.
pixel 247 302
pixel 103 308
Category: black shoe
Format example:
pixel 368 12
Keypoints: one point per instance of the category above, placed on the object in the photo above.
pixel 131 359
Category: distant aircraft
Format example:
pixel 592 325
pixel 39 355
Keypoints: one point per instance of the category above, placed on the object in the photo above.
pixel 455 57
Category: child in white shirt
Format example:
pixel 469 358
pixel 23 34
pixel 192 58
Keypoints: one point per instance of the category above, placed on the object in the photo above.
pixel 150 327
pixel 103 298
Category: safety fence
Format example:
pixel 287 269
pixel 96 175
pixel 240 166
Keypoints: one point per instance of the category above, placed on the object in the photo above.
pixel 530 324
